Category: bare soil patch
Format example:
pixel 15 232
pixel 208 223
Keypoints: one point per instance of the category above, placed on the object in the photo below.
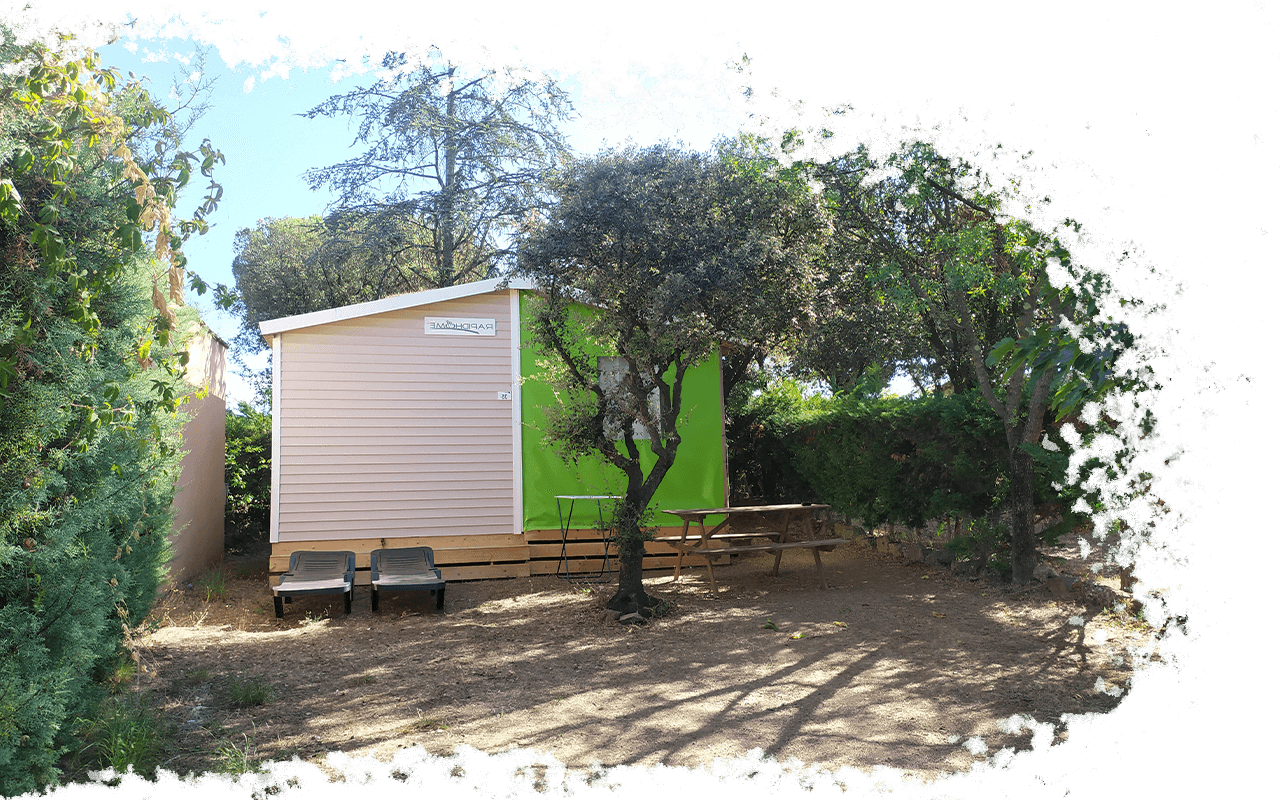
pixel 895 664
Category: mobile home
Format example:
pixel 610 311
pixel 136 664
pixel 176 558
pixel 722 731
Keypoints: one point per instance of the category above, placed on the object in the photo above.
pixel 417 420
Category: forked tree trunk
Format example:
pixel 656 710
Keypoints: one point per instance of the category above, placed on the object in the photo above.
pixel 631 596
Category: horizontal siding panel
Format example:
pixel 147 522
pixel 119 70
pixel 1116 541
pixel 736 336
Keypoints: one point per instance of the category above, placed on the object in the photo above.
pixel 354 345
pixel 373 387
pixel 420 499
pixel 365 521
pixel 394 476
pixel 379 395
pixel 422 374
pixel 422 460
pixel 402 488
pixel 399 360
pixel 578 549
pixel 480 446
pixel 336 428
pixel 463 434
pixel 588 567
pixel 485 572
pixel 388 529
pixel 434 402
pixel 388 423
pixel 408 539
pixel 315 457
pixel 459 503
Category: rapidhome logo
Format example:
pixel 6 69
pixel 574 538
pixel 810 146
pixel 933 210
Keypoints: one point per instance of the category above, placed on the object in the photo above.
pixel 461 326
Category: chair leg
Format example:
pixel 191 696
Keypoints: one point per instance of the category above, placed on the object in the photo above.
pixel 279 607
pixel 440 598
pixel 346 601
pixel 373 598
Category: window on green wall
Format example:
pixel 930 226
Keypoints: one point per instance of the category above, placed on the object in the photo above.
pixel 611 370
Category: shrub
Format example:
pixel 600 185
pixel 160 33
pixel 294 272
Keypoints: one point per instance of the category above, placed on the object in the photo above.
pixel 248 475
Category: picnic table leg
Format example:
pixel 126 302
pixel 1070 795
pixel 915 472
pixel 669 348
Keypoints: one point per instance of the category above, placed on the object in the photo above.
pixel 712 575
pixel 817 560
pixel 680 558
pixel 782 537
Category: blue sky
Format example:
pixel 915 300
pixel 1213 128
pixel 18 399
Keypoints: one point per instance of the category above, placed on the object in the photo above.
pixel 256 123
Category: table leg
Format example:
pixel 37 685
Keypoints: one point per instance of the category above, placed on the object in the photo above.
pixel 783 536
pixel 604 539
pixel 562 570
pixel 712 575
pixel 684 534
pixel 817 560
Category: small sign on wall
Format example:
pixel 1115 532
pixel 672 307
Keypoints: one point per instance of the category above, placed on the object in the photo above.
pixel 461 326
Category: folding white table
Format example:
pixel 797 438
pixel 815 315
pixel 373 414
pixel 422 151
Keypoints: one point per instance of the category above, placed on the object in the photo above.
pixel 562 570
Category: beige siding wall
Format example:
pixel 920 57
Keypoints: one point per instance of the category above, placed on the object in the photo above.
pixel 388 432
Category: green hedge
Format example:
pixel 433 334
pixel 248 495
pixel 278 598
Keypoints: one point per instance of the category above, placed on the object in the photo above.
pixel 248 475
pixel 885 460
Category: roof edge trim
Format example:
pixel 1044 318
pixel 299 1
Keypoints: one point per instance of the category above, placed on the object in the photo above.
pixel 395 303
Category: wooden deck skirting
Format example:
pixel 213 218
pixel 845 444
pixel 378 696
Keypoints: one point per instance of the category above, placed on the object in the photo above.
pixel 490 556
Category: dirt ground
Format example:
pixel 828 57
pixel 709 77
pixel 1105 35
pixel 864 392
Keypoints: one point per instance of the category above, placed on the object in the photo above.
pixel 896 664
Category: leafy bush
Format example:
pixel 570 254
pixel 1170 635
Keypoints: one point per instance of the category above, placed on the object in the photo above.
pixel 904 460
pixel 761 456
pixel 248 475
pixel 888 459
pixel 89 390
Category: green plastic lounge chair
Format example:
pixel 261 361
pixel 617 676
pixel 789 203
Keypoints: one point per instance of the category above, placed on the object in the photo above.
pixel 405 568
pixel 317 572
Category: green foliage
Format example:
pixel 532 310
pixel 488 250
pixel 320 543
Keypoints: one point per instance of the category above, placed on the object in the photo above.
pixel 287 266
pixel 674 249
pixel 89 386
pixel 1082 364
pixel 761 456
pixel 456 161
pixel 889 459
pixel 248 475
pixel 128 731
pixel 81 548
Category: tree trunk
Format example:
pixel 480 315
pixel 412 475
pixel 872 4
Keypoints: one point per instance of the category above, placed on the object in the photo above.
pixel 631 596
pixel 1022 511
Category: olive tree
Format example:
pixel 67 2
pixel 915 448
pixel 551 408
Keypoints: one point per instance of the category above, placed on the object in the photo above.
pixel 653 257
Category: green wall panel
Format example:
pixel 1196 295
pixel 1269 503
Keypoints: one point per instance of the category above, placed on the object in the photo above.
pixel 696 480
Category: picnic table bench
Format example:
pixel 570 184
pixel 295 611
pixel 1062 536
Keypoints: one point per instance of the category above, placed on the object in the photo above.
pixel 749 523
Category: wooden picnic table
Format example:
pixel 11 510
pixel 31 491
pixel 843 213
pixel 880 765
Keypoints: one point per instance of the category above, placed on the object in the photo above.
pixel 745 524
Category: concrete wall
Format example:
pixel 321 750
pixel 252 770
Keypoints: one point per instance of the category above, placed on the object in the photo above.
pixel 200 504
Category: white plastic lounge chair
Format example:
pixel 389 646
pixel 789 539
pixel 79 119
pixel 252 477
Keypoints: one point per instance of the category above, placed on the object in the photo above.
pixel 317 572
pixel 404 568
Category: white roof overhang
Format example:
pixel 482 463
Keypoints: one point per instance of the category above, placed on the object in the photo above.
pixel 397 303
